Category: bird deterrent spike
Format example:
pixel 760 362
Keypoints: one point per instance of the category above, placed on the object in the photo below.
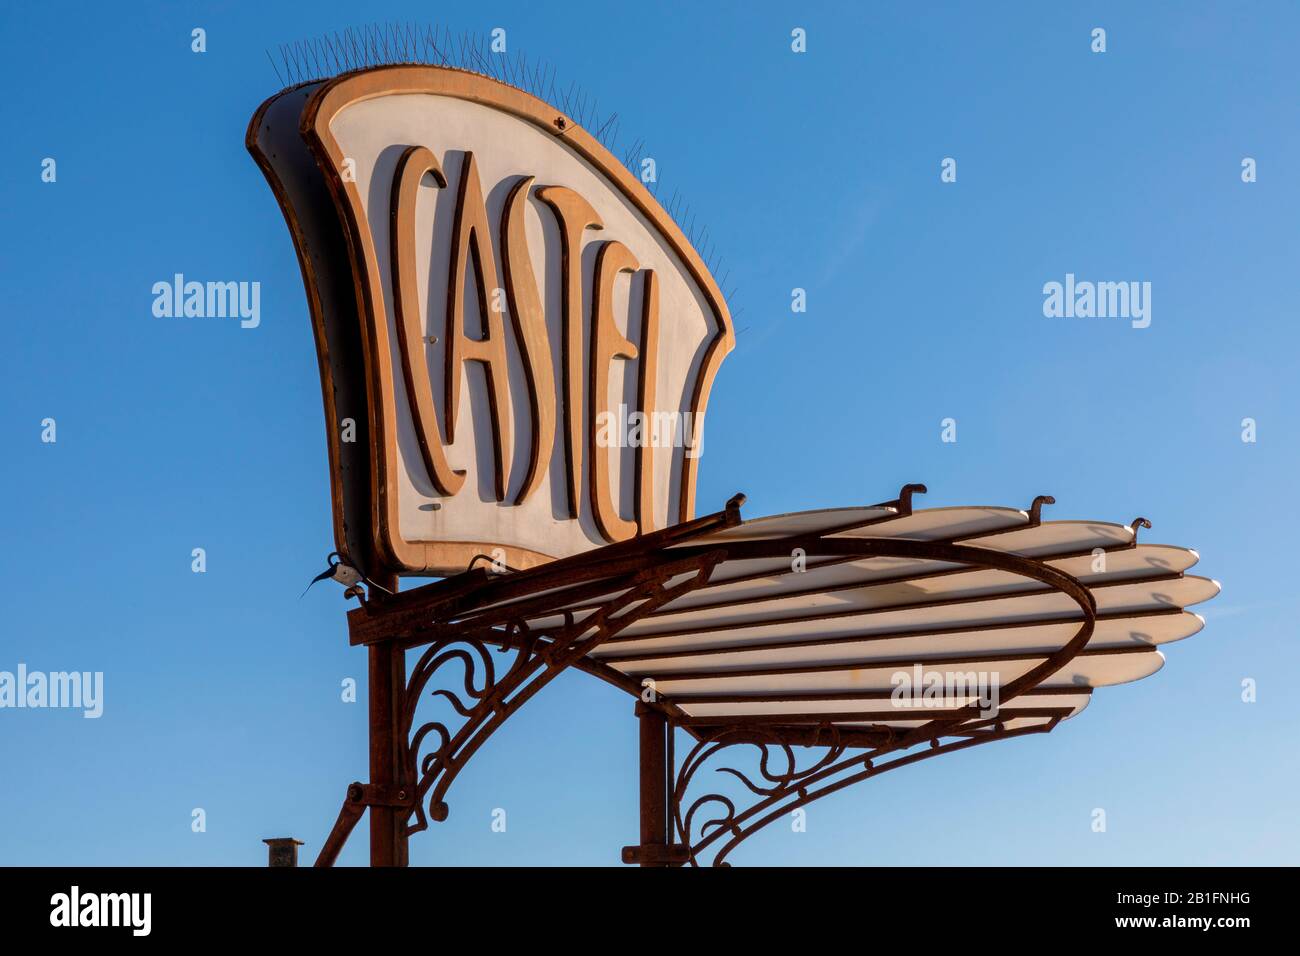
pixel 393 43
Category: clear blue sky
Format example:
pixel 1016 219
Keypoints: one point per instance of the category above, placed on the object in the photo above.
pixel 818 171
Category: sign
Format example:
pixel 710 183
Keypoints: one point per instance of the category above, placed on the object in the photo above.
pixel 520 339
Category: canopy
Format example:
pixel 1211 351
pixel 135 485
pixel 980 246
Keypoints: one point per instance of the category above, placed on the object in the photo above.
pixel 842 617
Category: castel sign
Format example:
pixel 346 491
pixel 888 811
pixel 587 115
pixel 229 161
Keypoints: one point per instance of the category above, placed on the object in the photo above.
pixel 529 338
pixel 516 348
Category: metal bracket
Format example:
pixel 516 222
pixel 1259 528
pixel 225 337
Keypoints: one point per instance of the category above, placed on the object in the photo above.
pixel 379 795
pixel 360 796
pixel 656 853
pixel 458 621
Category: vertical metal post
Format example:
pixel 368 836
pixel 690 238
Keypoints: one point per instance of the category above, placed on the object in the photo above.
pixel 654 773
pixel 388 843
pixel 670 782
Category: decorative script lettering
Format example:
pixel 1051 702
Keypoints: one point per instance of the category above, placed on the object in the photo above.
pixel 556 419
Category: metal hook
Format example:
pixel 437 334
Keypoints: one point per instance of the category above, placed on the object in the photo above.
pixel 904 500
pixel 1036 509
pixel 1138 523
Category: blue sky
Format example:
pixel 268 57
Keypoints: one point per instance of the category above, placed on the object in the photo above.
pixel 817 170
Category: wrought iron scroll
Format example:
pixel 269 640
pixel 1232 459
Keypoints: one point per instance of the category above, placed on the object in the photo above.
pixel 782 785
pixel 779 793
pixel 487 694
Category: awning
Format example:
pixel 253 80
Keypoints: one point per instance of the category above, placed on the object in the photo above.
pixel 842 617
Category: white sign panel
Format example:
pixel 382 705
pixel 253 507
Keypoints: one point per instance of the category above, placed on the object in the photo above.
pixel 539 339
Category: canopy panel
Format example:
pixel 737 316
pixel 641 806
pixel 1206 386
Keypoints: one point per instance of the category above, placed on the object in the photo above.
pixel 834 617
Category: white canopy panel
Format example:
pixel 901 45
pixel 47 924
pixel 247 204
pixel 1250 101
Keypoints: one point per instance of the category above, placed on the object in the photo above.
pixel 815 633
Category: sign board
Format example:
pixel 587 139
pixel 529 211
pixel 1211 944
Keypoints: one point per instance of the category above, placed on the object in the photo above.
pixel 521 341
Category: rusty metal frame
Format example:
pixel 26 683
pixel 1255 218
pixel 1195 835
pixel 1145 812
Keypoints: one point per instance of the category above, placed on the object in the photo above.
pixel 458 621
pixel 779 793
pixel 459 624
pixel 538 658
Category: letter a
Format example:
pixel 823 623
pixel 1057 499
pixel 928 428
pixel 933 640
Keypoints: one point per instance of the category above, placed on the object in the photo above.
pixel 470 235
pixel 530 332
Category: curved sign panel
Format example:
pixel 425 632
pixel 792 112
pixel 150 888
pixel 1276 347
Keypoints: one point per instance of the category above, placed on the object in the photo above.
pixel 538 339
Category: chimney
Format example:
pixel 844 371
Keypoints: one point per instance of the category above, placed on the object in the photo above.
pixel 282 851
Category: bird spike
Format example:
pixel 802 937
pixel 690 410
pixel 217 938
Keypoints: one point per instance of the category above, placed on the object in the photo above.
pixel 392 43
pixel 276 68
